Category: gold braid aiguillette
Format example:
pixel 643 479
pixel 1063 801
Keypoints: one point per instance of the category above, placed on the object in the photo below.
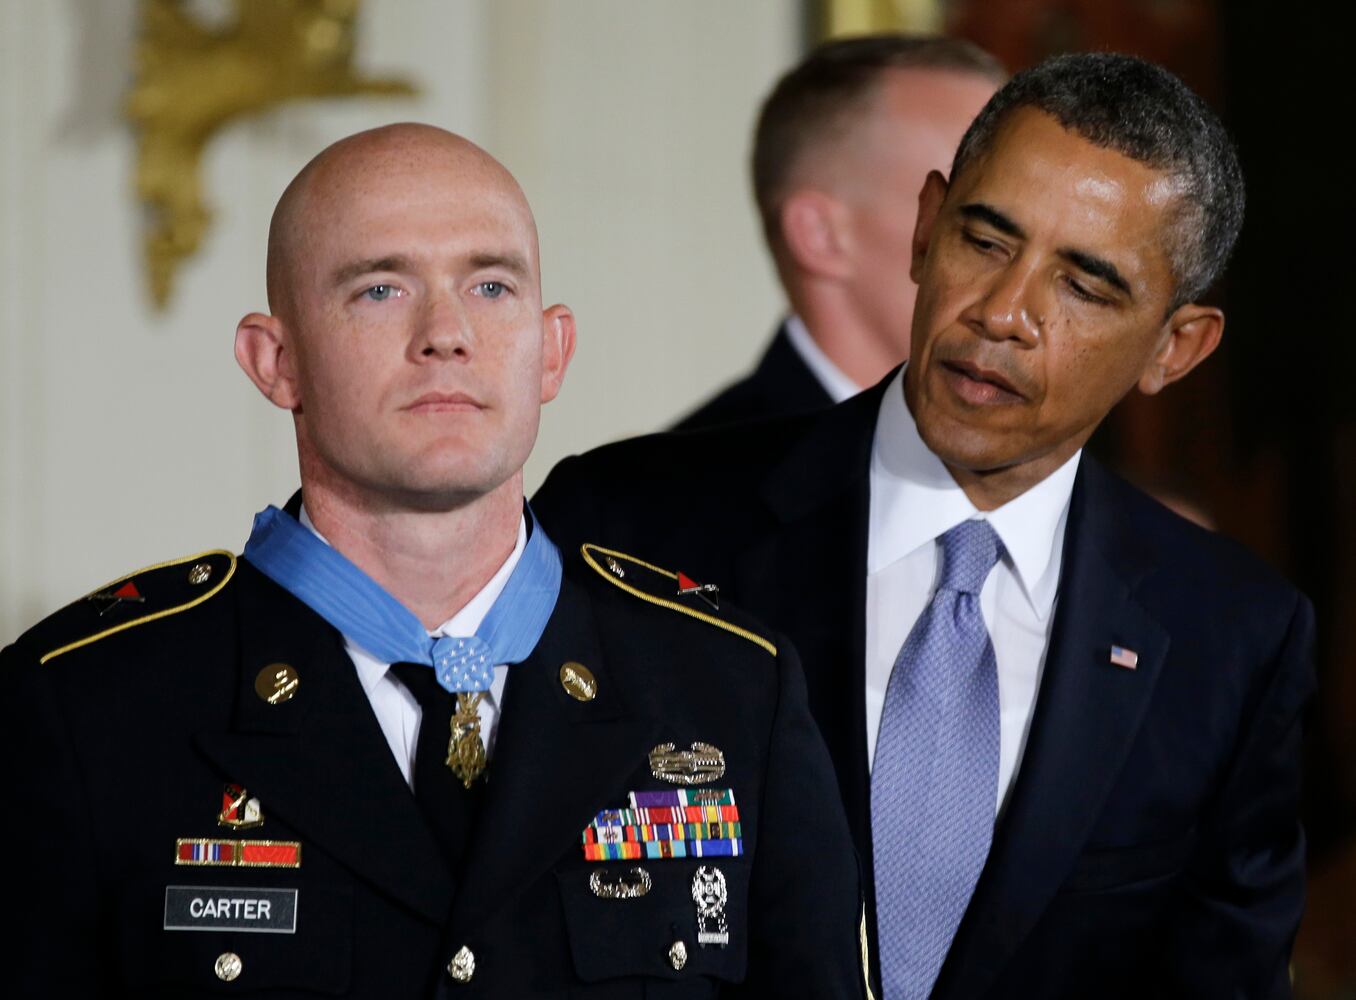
pixel 466 750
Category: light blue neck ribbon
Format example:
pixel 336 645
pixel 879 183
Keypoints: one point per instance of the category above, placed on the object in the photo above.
pixel 320 577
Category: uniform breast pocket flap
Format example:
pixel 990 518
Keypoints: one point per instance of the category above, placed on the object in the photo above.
pixel 670 919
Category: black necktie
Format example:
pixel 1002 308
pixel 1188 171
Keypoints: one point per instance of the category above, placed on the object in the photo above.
pixel 448 806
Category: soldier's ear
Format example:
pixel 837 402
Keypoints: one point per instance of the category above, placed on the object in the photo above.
pixel 815 233
pixel 264 352
pixel 557 327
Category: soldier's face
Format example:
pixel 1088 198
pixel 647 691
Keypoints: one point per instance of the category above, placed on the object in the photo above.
pixel 1043 286
pixel 420 347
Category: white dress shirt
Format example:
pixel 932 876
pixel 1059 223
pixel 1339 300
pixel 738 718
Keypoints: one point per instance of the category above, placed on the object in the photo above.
pixel 914 501
pixel 396 709
pixel 829 375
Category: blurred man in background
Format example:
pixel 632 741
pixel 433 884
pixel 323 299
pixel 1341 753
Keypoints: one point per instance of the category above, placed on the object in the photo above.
pixel 842 147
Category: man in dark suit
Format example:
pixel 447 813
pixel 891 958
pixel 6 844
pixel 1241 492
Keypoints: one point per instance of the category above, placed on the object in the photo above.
pixel 1066 722
pixel 401 747
pixel 841 149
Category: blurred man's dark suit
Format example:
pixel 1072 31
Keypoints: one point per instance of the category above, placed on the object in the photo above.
pixel 1150 846
pixel 781 385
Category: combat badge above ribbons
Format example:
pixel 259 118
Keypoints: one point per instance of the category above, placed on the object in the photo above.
pixel 701 765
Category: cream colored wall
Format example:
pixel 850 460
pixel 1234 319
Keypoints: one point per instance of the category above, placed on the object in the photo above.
pixel 127 436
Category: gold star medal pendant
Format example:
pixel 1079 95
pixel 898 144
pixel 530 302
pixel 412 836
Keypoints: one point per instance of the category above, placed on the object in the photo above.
pixel 466 748
pixel 506 635
pixel 465 667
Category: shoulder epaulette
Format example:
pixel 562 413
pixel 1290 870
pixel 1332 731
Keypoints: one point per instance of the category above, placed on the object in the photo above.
pixel 147 595
pixel 665 588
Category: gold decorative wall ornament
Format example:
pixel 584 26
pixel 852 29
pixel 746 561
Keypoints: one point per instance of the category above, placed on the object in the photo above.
pixel 858 17
pixel 194 78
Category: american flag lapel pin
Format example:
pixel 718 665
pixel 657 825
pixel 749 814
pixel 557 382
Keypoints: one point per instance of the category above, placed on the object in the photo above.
pixel 1122 657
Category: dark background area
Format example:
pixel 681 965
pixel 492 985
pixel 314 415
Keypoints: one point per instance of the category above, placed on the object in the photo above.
pixel 1260 441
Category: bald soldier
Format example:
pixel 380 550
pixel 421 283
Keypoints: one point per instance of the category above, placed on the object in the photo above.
pixel 403 746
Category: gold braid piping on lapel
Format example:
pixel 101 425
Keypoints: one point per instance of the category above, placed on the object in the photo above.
pixel 588 549
pixel 163 612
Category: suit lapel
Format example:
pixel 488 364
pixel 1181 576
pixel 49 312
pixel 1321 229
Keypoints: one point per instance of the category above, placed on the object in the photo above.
pixel 561 760
pixel 319 761
pixel 1086 717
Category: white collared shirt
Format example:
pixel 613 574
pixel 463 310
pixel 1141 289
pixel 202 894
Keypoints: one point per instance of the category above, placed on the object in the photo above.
pixel 829 375
pixel 914 501
pixel 395 707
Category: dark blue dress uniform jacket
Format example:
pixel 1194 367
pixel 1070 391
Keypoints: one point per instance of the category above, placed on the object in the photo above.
pixel 1151 845
pixel 116 748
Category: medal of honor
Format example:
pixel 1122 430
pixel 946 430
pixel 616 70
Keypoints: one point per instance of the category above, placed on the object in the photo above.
pixel 466 750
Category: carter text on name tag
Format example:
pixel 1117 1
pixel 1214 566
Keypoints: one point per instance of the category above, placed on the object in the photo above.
pixel 230 908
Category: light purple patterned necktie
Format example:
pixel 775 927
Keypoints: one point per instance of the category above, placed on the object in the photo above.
pixel 935 779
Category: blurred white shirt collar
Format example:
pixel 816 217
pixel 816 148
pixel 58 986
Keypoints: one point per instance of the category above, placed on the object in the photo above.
pixel 829 375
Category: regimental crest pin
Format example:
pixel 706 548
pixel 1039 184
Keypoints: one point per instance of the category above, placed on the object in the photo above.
pixel 701 765
pixel 708 592
pixel 239 809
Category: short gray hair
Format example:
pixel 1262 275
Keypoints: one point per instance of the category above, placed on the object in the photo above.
pixel 1146 113
pixel 814 102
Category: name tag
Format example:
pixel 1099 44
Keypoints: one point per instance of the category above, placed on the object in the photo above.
pixel 230 908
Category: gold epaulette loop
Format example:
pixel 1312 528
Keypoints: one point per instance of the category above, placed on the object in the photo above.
pixel 159 589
